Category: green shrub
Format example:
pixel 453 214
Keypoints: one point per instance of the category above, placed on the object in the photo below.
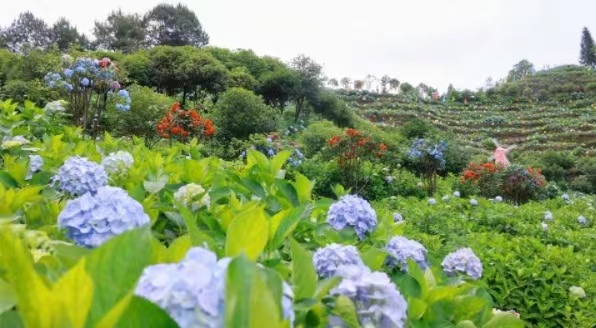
pixel 332 108
pixel 326 174
pixel 556 165
pixel 417 128
pixel 147 108
pixel 316 136
pixel 240 113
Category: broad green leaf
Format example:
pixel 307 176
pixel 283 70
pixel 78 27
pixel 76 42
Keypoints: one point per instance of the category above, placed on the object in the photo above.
pixel 178 249
pixel 441 293
pixel 287 190
pixel 416 272
pixel 11 319
pixel 374 258
pixel 113 315
pixel 248 234
pixel 303 188
pixel 325 286
pixel 8 180
pixel 345 309
pixel 255 157
pixel 197 237
pixel 465 324
pixel 74 292
pixel 142 313
pixel 277 162
pixel 249 302
pixel 504 320
pixel 115 268
pixel 416 308
pixel 8 298
pixel 408 286
pixel 468 307
pixel 155 186
pixel 34 299
pixel 304 276
pixel 287 224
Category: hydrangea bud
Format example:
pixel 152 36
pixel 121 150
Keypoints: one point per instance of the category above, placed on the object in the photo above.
pixel 187 196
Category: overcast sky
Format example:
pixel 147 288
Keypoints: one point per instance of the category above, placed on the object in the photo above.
pixel 432 41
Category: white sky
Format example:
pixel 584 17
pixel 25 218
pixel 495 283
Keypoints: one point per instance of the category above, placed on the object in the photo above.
pixel 432 41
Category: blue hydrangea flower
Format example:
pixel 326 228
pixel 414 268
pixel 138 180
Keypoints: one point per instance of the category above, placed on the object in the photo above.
pixel 401 249
pixel 499 199
pixel 378 301
pixel 582 220
pixel 35 165
pixel 463 261
pixel 85 82
pixel 548 216
pixel 123 93
pixel 432 201
pixel 68 87
pixel 68 73
pixel 565 197
pixel 397 217
pixel 78 176
pixel 352 211
pixel 120 107
pixel 328 259
pixel 118 163
pixel 193 290
pixel 473 202
pixel 91 220
pixel 456 194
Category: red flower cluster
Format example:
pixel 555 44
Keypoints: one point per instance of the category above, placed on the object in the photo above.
pixel 475 171
pixel 184 123
pixel 354 145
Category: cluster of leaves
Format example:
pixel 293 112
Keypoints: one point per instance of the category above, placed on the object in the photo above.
pixel 184 125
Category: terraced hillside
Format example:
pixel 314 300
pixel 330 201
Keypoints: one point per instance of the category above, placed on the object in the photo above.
pixel 532 127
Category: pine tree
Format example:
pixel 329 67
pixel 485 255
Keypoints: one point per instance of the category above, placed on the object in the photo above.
pixel 587 53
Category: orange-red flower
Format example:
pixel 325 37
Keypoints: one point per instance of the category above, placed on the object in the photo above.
pixel 334 140
pixel 352 132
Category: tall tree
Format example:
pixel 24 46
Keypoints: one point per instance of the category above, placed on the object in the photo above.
pixel 65 35
pixel 124 32
pixel 587 55
pixel 345 82
pixel 394 84
pixel 358 84
pixel 333 83
pixel 520 70
pixel 309 75
pixel 170 25
pixel 369 80
pixel 26 32
pixel 384 81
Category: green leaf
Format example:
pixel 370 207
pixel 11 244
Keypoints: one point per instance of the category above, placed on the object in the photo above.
pixel 345 309
pixel 249 302
pixel 75 291
pixel 8 299
pixel 304 276
pixel 247 233
pixel 325 286
pixel 11 319
pixel 178 249
pixel 115 268
pixel 441 293
pixel 416 308
pixel 407 285
pixel 8 180
pixel 374 258
pixel 142 313
pixel 504 320
pixel 155 186
pixel 197 237
pixel 277 162
pixel 465 324
pixel 303 188
pixel 288 191
pixel 287 224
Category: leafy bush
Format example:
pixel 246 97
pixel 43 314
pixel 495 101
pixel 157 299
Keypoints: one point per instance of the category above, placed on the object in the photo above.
pixel 316 136
pixel 146 108
pixel 240 113
pixel 417 128
pixel 556 165
pixel 332 108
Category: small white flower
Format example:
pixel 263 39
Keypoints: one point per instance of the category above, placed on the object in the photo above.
pixel 577 291
pixel 548 216
pixel 187 195
pixel 499 199
pixel 473 202
pixel 389 179
pixel 544 226
pixel 456 194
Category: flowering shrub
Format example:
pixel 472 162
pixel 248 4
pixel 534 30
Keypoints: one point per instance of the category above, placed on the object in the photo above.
pixel 463 261
pixel 429 159
pixel 35 165
pixel 78 176
pixel 354 212
pixel 401 249
pixel 273 144
pixel 352 150
pixel 183 125
pixel 514 183
pixel 117 163
pixel 192 196
pixel 92 219
pixel 328 259
pixel 89 82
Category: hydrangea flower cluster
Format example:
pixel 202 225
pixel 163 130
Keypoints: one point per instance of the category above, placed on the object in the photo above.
pixel 35 165
pixel 12 142
pixel 456 194
pixel 422 149
pixel 544 226
pixel 401 249
pixel 292 129
pixel 188 196
pixel 92 219
pixel 445 199
pixel 397 217
pixel 548 216
pixel 432 201
pixel 499 199
pixel 118 163
pixel 54 107
pixel 78 176
pixel 582 220
pixel 124 97
pixel 353 211
pixel 463 261
pixel 296 159
pixel 193 290
pixel 473 202
pixel 377 300
pixel 328 259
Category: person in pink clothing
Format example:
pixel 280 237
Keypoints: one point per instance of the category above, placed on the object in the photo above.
pixel 500 154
